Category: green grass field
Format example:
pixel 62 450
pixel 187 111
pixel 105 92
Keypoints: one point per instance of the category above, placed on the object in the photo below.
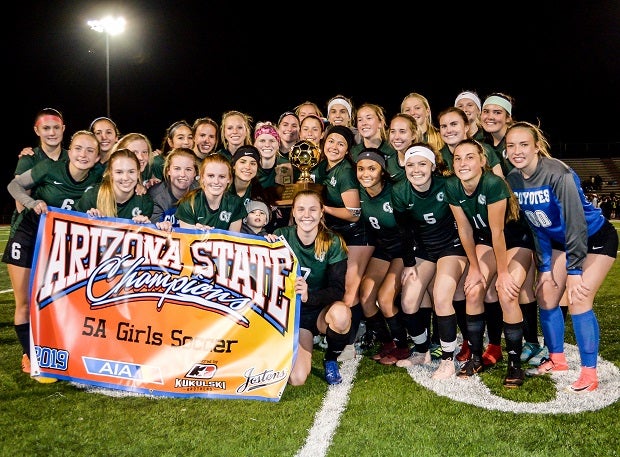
pixel 383 411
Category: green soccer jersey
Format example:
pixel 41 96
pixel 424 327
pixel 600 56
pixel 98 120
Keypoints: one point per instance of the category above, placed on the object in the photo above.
pixel 490 153
pixel 313 268
pixel 196 210
pixel 377 213
pixel 137 205
pixel 282 167
pixel 336 181
pixel 491 189
pixel 428 213
pixel 395 170
pixel 54 185
pixel 385 147
pixel 155 169
pixel 500 152
pixel 26 162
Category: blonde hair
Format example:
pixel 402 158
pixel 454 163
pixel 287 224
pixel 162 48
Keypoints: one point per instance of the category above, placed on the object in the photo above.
pixel 432 135
pixel 380 113
pixel 539 138
pixel 247 121
pixel 211 158
pixel 106 199
pixel 179 152
pixel 297 109
pixel 325 236
pixel 131 137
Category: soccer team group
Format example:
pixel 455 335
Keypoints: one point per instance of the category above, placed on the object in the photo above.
pixel 420 229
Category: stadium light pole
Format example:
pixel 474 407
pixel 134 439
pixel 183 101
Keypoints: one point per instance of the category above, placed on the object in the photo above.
pixel 109 26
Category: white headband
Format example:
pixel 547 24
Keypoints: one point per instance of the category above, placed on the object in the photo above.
pixel 499 101
pixel 469 95
pixel 340 101
pixel 420 151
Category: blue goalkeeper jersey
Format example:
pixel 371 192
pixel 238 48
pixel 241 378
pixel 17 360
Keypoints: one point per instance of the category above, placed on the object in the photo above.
pixel 557 211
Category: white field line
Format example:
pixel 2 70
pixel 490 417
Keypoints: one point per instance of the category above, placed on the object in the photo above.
pixel 327 418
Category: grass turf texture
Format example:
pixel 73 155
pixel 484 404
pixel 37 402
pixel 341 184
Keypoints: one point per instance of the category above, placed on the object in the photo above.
pixel 387 413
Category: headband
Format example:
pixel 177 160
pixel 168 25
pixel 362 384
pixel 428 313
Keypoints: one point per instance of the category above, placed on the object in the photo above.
pixel 470 96
pixel 287 113
pixel 340 101
pixel 246 151
pixel 48 118
pixel 102 118
pixel 370 154
pixel 420 151
pixel 499 101
pixel 267 130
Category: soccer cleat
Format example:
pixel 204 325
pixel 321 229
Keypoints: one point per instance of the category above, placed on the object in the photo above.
pixel 368 340
pixel 587 381
pixel 347 353
pixel 26 363
pixel 514 377
pixel 386 348
pixel 394 356
pixel 416 358
pixel 465 352
pixel 547 366
pixel 436 351
pixel 471 367
pixel 529 350
pixel 492 355
pixel 332 372
pixel 536 360
pixel 445 371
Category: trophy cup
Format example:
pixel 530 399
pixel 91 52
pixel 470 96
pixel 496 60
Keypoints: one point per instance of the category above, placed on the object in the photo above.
pixel 304 156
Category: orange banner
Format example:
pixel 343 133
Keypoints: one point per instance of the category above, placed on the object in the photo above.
pixel 185 314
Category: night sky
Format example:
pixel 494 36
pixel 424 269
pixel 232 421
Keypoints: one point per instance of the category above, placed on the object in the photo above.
pixel 187 59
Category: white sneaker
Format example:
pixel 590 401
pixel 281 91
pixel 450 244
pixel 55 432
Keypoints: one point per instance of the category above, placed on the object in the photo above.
pixel 347 353
pixel 445 371
pixel 416 358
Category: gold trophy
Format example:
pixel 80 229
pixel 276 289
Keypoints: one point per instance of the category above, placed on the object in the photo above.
pixel 304 156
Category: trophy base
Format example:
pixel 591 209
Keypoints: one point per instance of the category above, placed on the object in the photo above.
pixel 290 190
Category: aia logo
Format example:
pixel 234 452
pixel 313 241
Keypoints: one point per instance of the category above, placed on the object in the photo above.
pixel 202 371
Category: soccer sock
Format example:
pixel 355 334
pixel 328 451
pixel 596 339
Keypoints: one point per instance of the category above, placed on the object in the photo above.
pixel 23 336
pixel 530 321
pixel 513 334
pixel 494 317
pixel 356 317
pixel 475 333
pixel 447 335
pixel 461 320
pixel 397 329
pixel 435 328
pixel 587 334
pixel 424 315
pixel 376 323
pixel 417 325
pixel 552 324
pixel 335 343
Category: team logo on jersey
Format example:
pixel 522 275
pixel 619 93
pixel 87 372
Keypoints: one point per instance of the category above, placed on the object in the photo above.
pixel 440 196
pixel 482 199
pixel 225 216
pixel 333 181
pixel 387 208
pixel 136 212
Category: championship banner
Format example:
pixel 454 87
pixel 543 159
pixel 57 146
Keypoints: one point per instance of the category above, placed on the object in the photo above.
pixel 183 314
